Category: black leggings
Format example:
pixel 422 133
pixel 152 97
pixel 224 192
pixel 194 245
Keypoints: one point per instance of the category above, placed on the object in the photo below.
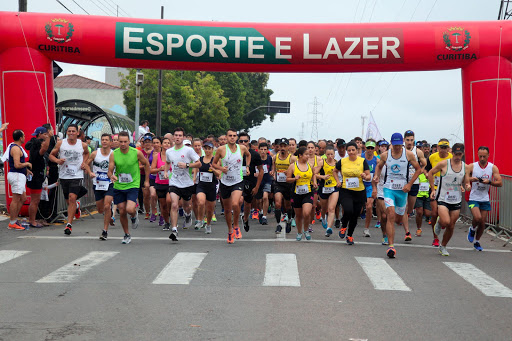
pixel 352 202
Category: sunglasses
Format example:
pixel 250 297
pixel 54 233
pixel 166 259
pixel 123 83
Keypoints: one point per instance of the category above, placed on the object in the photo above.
pixel 370 147
pixel 243 141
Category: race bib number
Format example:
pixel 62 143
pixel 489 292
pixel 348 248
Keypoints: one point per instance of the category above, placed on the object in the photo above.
pixel 125 178
pixel 424 186
pixel 265 169
pixel 44 195
pixel 327 190
pixel 352 182
pixel 481 187
pixel 72 170
pixel 397 184
pixel 453 197
pixel 205 177
pixel 302 189
pixel 281 177
pixel 102 185
pixel 436 181
pixel 230 178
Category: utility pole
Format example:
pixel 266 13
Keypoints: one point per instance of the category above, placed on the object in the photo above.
pixel 22 5
pixel 158 128
pixel 363 118
pixel 314 128
pixel 139 79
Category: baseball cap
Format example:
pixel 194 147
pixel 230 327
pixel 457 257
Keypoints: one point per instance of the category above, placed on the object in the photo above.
pixel 341 143
pixel 419 144
pixel 208 144
pixel 39 130
pixel 185 142
pixel 88 138
pixel 284 140
pixel 443 143
pixel 147 138
pixel 397 139
pixel 383 143
pixel 458 148
pixel 370 144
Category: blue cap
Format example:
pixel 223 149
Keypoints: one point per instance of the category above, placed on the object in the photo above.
pixel 397 139
pixel 208 143
pixel 39 130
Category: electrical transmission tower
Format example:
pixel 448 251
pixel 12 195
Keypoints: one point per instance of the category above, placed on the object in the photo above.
pixel 301 134
pixel 315 113
pixel 505 10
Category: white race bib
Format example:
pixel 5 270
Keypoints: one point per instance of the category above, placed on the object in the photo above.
pixel 436 181
pixel 265 169
pixel 397 184
pixel 205 177
pixel 230 178
pixel 72 170
pixel 327 190
pixel 281 177
pixel 453 197
pixel 424 186
pixel 125 178
pixel 102 185
pixel 302 189
pixel 44 195
pixel 161 175
pixel 481 187
pixel 352 182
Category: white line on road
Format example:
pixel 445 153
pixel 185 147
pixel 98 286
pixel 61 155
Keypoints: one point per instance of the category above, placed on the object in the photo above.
pixel 382 276
pixel 7 255
pixel 279 240
pixel 2 218
pixel 181 269
pixel 479 279
pixel 281 270
pixel 70 272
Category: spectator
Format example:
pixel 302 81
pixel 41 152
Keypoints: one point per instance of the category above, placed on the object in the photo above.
pixel 47 208
pixel 87 141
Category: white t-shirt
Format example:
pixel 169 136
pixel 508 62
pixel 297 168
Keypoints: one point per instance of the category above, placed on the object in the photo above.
pixel 181 178
pixel 337 155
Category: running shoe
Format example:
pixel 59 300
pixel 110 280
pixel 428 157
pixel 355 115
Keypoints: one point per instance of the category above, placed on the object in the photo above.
pixel 313 222
pixel 188 221
pixel 418 233
pixel 284 217
pixel 437 228
pixel 477 246
pixel 288 227
pixel 318 215
pixel 198 225
pixel 231 239
pixel 294 224
pixel 153 218
pixel 366 233
pixel 279 228
pixel 214 218
pixel 391 252
pixel 78 212
pixel 238 234
pixel 435 243
pixel 328 232
pixel 260 218
pixel 68 229
pixel 363 216
pixel 126 239
pixel 471 235
pixel 299 237
pixel 222 212
pixel 377 226
pixel 310 228
pixel 246 226
pixel 182 213
pixel 166 227
pixel 443 251
pixel 104 235
pixel 350 240
pixel 255 214
pixel 135 221
pixel 408 237
pixel 208 229
pixel 113 221
pixel 146 217
pixel 343 232
pixel 385 241
pixel 161 221
pixel 264 221
pixel 324 223
pixel 174 234
pixel 307 235
pixel 15 226
pixel 337 223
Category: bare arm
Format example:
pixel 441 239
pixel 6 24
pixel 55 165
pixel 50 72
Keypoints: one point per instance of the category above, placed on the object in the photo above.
pixel 380 165
pixel 439 167
pixel 289 174
pixel 497 177
pixel 88 164
pixel 111 166
pixel 45 145
pixel 53 155
pixel 85 155
pixel 145 163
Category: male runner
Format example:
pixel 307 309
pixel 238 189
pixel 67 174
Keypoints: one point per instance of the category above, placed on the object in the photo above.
pixel 282 189
pixel 481 175
pixel 371 160
pixel 229 160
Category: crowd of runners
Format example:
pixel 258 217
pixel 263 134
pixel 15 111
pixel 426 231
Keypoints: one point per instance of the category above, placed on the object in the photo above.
pixel 337 184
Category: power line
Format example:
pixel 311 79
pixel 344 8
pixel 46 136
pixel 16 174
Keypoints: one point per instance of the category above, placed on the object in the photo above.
pixel 431 8
pixel 99 7
pixel 81 7
pixel 64 6
pixel 120 8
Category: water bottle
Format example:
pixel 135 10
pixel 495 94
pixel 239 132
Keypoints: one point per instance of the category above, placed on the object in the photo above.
pixel 29 177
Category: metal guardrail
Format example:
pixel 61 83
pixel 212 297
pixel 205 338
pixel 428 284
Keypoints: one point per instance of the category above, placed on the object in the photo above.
pixel 499 219
pixel 86 202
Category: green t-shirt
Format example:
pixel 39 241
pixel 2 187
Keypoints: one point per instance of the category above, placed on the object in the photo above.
pixel 423 179
pixel 127 169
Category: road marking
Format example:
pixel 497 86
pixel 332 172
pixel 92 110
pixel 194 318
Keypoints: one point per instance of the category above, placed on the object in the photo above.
pixel 181 269
pixel 281 270
pixel 279 240
pixel 382 276
pixel 75 269
pixel 2 217
pixel 479 279
pixel 7 255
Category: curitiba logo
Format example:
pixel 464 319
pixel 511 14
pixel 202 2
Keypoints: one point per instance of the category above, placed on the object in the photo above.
pixel 456 39
pixel 59 30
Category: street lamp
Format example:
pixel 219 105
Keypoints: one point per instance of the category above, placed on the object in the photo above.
pixel 139 79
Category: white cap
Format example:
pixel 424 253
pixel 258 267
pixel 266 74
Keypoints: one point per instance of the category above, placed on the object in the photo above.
pixel 185 142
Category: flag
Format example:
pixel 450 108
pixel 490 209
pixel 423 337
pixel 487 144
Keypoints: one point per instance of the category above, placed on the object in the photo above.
pixel 372 132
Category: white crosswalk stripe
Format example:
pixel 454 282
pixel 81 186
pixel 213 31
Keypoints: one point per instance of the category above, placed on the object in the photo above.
pixel 72 271
pixel 281 270
pixel 7 255
pixel 181 269
pixel 382 276
pixel 479 279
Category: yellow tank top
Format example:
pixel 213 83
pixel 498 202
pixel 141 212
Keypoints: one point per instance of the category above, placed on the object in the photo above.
pixel 351 171
pixel 434 160
pixel 328 170
pixel 282 165
pixel 303 185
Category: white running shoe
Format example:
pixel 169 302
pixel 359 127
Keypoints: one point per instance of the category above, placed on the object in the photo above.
pixel 367 233
pixel 135 221
pixel 208 229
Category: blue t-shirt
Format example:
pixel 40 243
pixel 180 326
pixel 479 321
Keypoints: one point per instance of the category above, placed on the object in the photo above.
pixel 267 179
pixel 372 164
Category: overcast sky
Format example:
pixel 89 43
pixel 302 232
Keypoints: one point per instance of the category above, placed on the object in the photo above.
pixel 398 101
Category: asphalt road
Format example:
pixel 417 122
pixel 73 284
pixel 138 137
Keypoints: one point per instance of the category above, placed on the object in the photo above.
pixel 264 287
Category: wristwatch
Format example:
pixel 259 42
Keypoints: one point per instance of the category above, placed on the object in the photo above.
pixel 187 164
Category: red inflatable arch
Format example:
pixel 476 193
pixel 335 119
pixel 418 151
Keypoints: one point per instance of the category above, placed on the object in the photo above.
pixel 483 50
